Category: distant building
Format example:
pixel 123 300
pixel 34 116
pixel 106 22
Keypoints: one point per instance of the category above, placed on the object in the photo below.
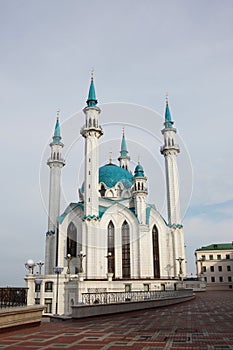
pixel 215 265
pixel 111 239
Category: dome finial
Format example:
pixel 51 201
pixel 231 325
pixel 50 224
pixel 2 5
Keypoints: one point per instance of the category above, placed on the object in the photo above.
pixel 166 98
pixel 92 73
pixel 58 113
pixel 110 157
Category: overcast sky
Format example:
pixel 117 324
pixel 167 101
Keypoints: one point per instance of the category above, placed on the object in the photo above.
pixel 140 50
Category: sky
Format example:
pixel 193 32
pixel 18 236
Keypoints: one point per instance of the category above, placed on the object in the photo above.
pixel 140 50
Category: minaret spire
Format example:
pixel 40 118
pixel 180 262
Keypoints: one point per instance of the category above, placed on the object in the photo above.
pixel 91 100
pixel 124 158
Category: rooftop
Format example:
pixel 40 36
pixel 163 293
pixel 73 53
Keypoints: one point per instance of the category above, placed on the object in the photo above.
pixel 217 246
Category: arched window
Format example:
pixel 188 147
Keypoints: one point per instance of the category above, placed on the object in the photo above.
pixel 89 121
pixel 72 240
pixel 102 190
pixel 125 250
pixel 155 244
pixel 57 155
pixel 118 190
pixel 111 247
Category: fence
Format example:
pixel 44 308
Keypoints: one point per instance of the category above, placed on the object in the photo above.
pixel 13 297
pixel 120 297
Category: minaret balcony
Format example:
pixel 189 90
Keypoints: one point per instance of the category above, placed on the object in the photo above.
pixel 174 147
pixel 56 161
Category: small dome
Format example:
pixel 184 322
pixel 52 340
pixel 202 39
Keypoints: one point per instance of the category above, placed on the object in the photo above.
pixel 111 174
pixel 139 172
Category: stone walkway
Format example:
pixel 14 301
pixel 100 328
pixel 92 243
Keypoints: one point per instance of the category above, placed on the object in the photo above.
pixel 203 323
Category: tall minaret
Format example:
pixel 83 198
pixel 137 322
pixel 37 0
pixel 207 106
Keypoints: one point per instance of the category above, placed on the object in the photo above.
pixel 91 132
pixel 170 151
pixel 56 163
pixel 124 158
pixel 140 194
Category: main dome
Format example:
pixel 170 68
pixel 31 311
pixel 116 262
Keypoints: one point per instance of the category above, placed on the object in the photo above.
pixel 111 174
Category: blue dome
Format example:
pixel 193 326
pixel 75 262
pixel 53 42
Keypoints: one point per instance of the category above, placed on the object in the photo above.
pixel 139 172
pixel 111 174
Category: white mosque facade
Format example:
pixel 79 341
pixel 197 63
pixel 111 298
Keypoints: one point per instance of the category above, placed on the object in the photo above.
pixel 112 239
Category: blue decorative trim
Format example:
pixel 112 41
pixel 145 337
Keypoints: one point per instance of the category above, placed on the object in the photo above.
pixel 50 233
pixel 175 225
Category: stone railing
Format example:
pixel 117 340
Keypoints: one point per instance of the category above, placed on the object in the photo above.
pixel 133 296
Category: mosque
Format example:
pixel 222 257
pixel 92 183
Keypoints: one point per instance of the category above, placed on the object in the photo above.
pixel 111 239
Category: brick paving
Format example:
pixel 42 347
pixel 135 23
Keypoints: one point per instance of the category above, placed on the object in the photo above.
pixel 203 323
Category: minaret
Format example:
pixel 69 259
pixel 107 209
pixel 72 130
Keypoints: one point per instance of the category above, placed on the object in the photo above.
pixel 140 193
pixel 170 151
pixel 124 158
pixel 56 163
pixel 91 132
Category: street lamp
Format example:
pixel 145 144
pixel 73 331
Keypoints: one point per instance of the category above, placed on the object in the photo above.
pixel 38 282
pixel 40 265
pixel 202 258
pixel 109 257
pixel 30 265
pixel 180 263
pixel 68 259
pixel 58 270
pixel 81 257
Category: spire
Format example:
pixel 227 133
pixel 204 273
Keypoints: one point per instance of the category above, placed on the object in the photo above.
pixel 124 152
pixel 124 158
pixel 57 133
pixel 168 120
pixel 92 101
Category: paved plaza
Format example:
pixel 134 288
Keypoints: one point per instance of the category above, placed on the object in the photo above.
pixel 203 323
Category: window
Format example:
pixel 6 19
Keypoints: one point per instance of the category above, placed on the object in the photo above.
pixel 146 287
pixel 48 305
pixel 219 268
pixel 37 287
pixel 48 286
pixel 204 268
pixel 72 240
pixel 220 279
pixel 155 245
pixel 228 268
pixel 212 268
pixel 203 257
pixel 111 247
pixel 37 301
pixel 219 256
pixel 102 190
pixel 227 256
pixel 205 279
pixel 212 279
pixel 229 279
pixel 125 250
pixel 211 257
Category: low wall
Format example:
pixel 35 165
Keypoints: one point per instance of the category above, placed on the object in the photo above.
pixel 81 311
pixel 22 315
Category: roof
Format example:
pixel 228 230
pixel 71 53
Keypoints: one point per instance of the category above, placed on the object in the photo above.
pixel 217 246
pixel 139 172
pixel 111 174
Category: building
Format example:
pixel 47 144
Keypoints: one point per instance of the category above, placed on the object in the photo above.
pixel 215 265
pixel 111 239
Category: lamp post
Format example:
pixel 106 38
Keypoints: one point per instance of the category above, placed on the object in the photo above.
pixel 58 270
pixel 180 260
pixel 40 265
pixel 81 257
pixel 38 282
pixel 30 266
pixel 109 257
pixel 68 259
pixel 202 258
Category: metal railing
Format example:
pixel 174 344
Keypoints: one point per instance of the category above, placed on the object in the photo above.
pixel 13 297
pixel 120 297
